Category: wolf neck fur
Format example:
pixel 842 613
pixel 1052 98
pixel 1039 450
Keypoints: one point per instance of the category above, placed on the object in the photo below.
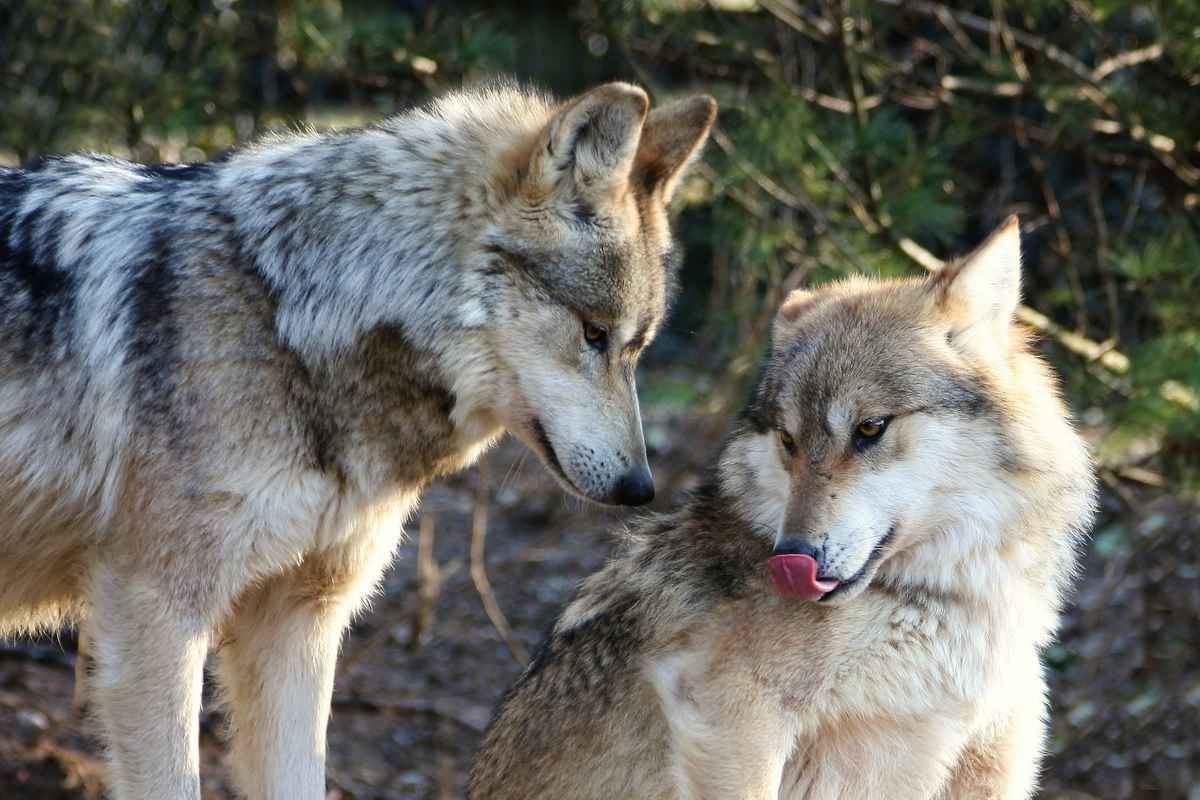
pixel 351 212
pixel 375 231
pixel 376 228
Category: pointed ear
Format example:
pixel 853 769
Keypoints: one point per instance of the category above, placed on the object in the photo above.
pixel 672 137
pixel 985 287
pixel 592 140
pixel 794 305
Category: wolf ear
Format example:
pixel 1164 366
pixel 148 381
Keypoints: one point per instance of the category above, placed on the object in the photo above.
pixel 985 287
pixel 671 138
pixel 592 140
pixel 794 305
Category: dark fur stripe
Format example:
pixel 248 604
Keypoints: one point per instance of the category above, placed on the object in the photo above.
pixel 36 294
pixel 154 331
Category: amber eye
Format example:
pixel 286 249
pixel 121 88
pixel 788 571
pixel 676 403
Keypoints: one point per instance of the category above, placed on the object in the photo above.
pixel 869 431
pixel 596 336
pixel 789 444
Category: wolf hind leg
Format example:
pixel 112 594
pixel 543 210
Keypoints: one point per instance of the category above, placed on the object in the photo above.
pixel 145 689
pixel 276 665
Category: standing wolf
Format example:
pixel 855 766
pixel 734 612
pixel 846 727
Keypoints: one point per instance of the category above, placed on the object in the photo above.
pixel 222 387
pixel 854 606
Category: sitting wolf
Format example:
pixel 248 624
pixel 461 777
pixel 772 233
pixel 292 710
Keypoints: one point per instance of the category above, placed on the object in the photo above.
pixel 223 386
pixel 854 605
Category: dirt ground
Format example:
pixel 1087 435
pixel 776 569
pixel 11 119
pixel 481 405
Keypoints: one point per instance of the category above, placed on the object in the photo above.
pixel 406 718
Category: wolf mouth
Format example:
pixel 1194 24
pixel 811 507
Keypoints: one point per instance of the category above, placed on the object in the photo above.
pixel 543 440
pixel 876 554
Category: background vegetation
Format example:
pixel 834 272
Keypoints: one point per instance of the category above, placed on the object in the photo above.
pixel 855 136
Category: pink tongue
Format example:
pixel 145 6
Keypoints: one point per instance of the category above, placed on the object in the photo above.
pixel 795 575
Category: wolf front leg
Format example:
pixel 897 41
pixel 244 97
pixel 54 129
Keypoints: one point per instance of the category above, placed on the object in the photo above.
pixel 728 740
pixel 277 661
pixel 148 654
pixel 1001 761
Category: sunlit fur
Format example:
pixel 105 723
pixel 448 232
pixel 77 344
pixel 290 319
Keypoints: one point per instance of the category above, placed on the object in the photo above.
pixel 223 386
pixel 679 671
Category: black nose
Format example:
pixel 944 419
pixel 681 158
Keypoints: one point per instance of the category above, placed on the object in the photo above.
pixel 797 547
pixel 636 487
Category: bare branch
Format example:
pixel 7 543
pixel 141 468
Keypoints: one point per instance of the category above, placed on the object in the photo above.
pixel 831 103
pixel 1161 146
pixel 1006 36
pixel 797 199
pixel 1127 59
pixel 857 201
pixel 430 579
pixel 983 25
pixel 802 21
pixel 479 573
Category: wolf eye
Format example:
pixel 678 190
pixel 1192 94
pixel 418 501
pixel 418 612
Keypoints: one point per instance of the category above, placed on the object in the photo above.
pixel 596 336
pixel 869 431
pixel 789 444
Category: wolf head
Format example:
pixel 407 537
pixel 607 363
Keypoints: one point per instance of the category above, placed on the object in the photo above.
pixel 899 426
pixel 580 266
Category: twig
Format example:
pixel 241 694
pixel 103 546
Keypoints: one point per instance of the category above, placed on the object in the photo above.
pixel 796 199
pixel 996 88
pixel 1108 357
pixel 1160 146
pixel 1127 59
pixel 984 25
pixel 959 35
pixel 799 20
pixel 383 634
pixel 1135 203
pixel 1103 354
pixel 1102 248
pixel 1141 475
pixel 849 56
pixel 1062 241
pixel 831 103
pixel 479 573
pixel 430 578
pixel 857 201
pixel 1006 36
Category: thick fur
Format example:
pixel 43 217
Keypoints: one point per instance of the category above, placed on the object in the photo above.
pixel 679 672
pixel 223 386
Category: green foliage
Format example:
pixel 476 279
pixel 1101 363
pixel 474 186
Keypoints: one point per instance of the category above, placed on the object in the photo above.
pixel 898 123
pixel 845 129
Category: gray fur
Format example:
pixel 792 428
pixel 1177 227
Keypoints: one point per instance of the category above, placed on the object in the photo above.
pixel 223 386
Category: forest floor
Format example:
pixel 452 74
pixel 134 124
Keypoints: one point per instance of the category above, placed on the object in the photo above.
pixel 1125 678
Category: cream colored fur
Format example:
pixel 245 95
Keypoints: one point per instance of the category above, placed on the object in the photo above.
pixel 680 672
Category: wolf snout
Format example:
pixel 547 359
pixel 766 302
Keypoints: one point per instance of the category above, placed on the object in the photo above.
pixel 607 476
pixel 635 487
